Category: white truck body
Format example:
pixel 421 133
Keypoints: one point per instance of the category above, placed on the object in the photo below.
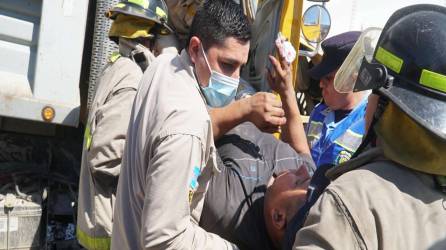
pixel 36 70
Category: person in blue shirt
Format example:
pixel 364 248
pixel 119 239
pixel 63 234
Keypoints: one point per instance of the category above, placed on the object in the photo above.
pixel 336 125
pixel 335 128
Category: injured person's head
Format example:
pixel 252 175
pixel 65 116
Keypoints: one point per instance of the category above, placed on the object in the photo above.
pixel 283 198
pixel 241 206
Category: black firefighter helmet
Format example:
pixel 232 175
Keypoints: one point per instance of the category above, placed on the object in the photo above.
pixel 409 65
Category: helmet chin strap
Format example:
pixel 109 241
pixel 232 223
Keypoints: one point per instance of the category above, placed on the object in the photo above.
pixel 441 183
pixel 370 138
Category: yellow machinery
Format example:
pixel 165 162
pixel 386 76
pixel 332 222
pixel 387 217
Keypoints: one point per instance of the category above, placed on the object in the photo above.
pixel 288 18
pixel 290 26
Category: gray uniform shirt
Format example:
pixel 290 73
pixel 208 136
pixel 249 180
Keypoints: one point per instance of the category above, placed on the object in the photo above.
pixel 247 159
pixel 168 161
pixel 380 205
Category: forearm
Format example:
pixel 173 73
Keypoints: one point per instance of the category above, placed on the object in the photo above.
pixel 293 131
pixel 226 118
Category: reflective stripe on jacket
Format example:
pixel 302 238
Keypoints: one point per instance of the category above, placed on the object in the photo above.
pixel 335 142
pixel 104 141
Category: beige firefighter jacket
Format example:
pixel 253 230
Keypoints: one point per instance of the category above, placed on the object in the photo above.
pixel 104 141
pixel 377 205
pixel 168 162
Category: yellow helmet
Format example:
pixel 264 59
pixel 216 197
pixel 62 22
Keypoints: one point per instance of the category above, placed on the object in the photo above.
pixel 136 18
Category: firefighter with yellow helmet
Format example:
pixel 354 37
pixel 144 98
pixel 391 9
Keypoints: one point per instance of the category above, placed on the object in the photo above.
pixel 140 29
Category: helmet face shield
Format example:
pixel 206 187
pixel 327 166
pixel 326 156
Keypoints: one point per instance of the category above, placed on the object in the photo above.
pixel 372 76
pixel 363 49
pixel 409 65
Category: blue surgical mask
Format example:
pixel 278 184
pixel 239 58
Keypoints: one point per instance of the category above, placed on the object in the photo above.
pixel 221 89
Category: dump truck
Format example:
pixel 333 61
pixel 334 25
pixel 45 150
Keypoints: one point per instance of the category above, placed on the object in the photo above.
pixel 52 53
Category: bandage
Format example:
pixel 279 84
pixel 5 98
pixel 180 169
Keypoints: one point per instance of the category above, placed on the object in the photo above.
pixel 286 49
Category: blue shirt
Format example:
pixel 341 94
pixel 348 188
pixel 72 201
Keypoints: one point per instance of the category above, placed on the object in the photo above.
pixel 334 142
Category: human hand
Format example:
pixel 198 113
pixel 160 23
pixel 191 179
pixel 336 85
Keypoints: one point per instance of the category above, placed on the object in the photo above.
pixel 265 111
pixel 280 78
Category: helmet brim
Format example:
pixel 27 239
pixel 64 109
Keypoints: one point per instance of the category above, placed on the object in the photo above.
pixel 428 111
pixel 139 12
pixel 129 10
pixel 325 67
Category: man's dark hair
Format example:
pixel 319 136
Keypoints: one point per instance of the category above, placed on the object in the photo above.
pixel 217 20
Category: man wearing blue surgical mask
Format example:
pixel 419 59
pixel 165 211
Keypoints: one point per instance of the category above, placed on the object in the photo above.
pixel 217 69
pixel 221 89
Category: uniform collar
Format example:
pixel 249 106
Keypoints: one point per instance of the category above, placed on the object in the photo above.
pixel 327 110
pixel 374 154
pixel 188 65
